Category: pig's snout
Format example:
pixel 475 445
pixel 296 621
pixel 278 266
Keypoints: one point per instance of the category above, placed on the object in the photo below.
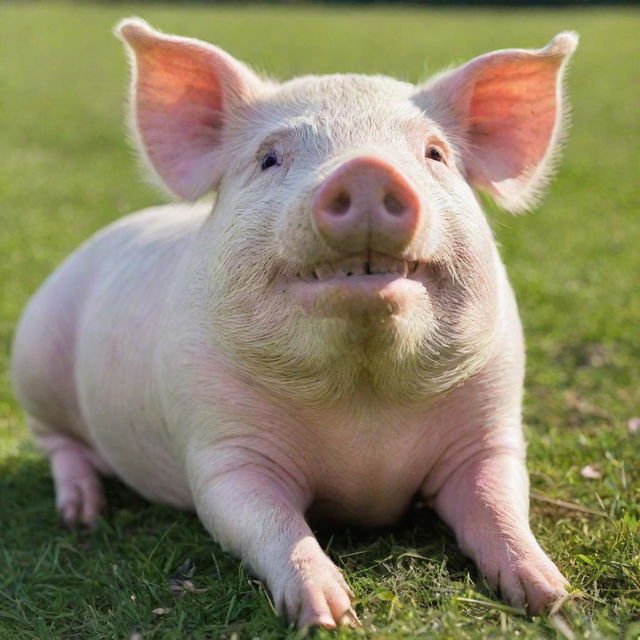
pixel 366 204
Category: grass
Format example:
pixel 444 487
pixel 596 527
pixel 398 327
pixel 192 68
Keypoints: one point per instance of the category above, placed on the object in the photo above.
pixel 66 170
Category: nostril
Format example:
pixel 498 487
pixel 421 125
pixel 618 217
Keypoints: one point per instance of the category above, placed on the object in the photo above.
pixel 393 205
pixel 340 204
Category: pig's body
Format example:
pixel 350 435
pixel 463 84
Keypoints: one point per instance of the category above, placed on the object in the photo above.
pixel 336 336
pixel 93 338
pixel 90 338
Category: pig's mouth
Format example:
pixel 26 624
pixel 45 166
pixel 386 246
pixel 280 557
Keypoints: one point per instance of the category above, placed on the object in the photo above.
pixel 374 265
pixel 374 284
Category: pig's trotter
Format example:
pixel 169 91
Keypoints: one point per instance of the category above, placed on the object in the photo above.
pixel 315 592
pixel 485 502
pixel 259 517
pixel 79 495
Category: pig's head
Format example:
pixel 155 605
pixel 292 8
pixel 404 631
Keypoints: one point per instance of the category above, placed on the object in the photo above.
pixel 346 249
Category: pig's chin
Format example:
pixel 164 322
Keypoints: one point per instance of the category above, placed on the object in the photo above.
pixel 365 295
pixel 372 295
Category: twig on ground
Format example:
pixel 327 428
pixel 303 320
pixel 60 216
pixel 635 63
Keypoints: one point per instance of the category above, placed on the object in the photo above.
pixel 563 504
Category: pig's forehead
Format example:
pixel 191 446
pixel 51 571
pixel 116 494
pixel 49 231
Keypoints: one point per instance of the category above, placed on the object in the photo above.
pixel 345 87
pixel 343 95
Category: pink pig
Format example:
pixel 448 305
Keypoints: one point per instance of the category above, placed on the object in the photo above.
pixel 335 336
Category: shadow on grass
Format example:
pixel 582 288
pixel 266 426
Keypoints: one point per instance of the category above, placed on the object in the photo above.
pixel 28 502
pixel 139 546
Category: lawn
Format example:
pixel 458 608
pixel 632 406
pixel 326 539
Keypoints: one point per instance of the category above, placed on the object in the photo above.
pixel 66 170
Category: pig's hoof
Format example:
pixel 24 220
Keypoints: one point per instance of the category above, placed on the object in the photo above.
pixel 80 503
pixel 534 584
pixel 318 595
pixel 325 604
pixel 79 496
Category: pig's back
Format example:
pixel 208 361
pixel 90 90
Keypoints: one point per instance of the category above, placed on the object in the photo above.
pixel 83 351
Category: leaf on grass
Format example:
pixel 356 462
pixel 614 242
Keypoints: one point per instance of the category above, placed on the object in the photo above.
pixel 178 586
pixel 161 611
pixel 591 471
pixel 181 582
pixel 586 559
pixel 387 596
pixel 583 407
pixel 634 425
pixel 187 568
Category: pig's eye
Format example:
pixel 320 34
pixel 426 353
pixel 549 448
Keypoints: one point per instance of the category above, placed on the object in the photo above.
pixel 434 153
pixel 270 159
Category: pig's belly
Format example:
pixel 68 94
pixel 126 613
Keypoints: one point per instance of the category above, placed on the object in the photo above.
pixel 117 337
pixel 365 508
pixel 370 492
pixel 141 456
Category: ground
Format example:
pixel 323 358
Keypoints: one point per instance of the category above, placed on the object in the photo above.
pixel 66 170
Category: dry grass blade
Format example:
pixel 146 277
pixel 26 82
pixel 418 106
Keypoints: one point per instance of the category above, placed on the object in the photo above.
pixel 562 626
pixel 563 504
pixel 493 605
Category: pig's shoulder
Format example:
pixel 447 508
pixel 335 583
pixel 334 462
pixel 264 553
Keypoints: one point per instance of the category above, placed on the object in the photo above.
pixel 134 250
pixel 132 244
pixel 161 224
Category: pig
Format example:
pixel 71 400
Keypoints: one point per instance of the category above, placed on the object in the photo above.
pixel 333 338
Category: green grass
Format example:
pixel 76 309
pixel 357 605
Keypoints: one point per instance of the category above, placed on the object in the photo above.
pixel 66 170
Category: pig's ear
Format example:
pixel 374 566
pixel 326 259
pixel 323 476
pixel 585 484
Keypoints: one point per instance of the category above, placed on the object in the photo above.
pixel 507 112
pixel 183 92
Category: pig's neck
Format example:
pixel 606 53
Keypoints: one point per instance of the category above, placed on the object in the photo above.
pixel 356 384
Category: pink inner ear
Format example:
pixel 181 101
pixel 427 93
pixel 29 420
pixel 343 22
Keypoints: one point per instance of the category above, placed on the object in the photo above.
pixel 170 83
pixel 511 118
pixel 179 114
pixel 505 111
pixel 184 93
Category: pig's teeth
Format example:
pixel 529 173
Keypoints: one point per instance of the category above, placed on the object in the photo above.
pixel 382 266
pixel 421 269
pixel 386 266
pixel 324 272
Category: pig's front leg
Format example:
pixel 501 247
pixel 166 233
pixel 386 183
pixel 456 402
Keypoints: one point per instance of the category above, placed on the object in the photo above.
pixel 486 503
pixel 255 510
